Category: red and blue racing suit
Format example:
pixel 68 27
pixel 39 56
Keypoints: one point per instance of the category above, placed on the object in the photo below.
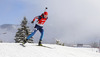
pixel 39 26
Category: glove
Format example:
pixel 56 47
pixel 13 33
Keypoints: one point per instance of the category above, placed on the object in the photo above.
pixel 32 22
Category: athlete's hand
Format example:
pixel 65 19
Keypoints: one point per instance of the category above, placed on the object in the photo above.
pixel 32 22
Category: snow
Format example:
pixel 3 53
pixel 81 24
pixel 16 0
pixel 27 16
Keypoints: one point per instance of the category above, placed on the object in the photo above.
pixel 32 50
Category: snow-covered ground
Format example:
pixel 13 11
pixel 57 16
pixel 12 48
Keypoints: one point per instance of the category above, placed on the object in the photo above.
pixel 32 50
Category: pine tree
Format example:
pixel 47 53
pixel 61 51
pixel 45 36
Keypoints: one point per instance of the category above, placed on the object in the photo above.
pixel 1 41
pixel 23 32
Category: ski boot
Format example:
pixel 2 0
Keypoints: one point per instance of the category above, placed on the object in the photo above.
pixel 40 44
pixel 25 41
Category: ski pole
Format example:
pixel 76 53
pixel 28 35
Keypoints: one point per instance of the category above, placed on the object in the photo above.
pixel 33 28
pixel 45 9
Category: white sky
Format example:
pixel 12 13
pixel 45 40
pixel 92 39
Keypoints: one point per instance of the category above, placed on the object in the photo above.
pixel 74 20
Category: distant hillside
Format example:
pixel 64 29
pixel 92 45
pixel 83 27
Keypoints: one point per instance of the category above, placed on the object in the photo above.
pixel 7 32
pixel 51 33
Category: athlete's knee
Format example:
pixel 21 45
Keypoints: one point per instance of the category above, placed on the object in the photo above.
pixel 35 29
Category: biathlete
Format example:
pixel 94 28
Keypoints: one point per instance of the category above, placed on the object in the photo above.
pixel 39 26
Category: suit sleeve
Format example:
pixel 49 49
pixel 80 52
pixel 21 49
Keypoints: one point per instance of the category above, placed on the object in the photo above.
pixel 35 18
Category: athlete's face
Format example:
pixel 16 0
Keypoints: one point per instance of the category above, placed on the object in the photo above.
pixel 45 16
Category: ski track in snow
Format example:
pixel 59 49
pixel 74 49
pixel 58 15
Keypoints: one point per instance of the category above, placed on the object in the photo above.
pixel 31 50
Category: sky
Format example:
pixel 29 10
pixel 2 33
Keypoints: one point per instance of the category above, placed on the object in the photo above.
pixel 72 20
pixel 15 10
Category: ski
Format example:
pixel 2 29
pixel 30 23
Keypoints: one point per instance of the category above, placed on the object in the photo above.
pixel 45 46
pixel 23 45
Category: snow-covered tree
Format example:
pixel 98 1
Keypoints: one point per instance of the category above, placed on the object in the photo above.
pixel 59 43
pixel 23 32
pixel 1 41
pixel 94 45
